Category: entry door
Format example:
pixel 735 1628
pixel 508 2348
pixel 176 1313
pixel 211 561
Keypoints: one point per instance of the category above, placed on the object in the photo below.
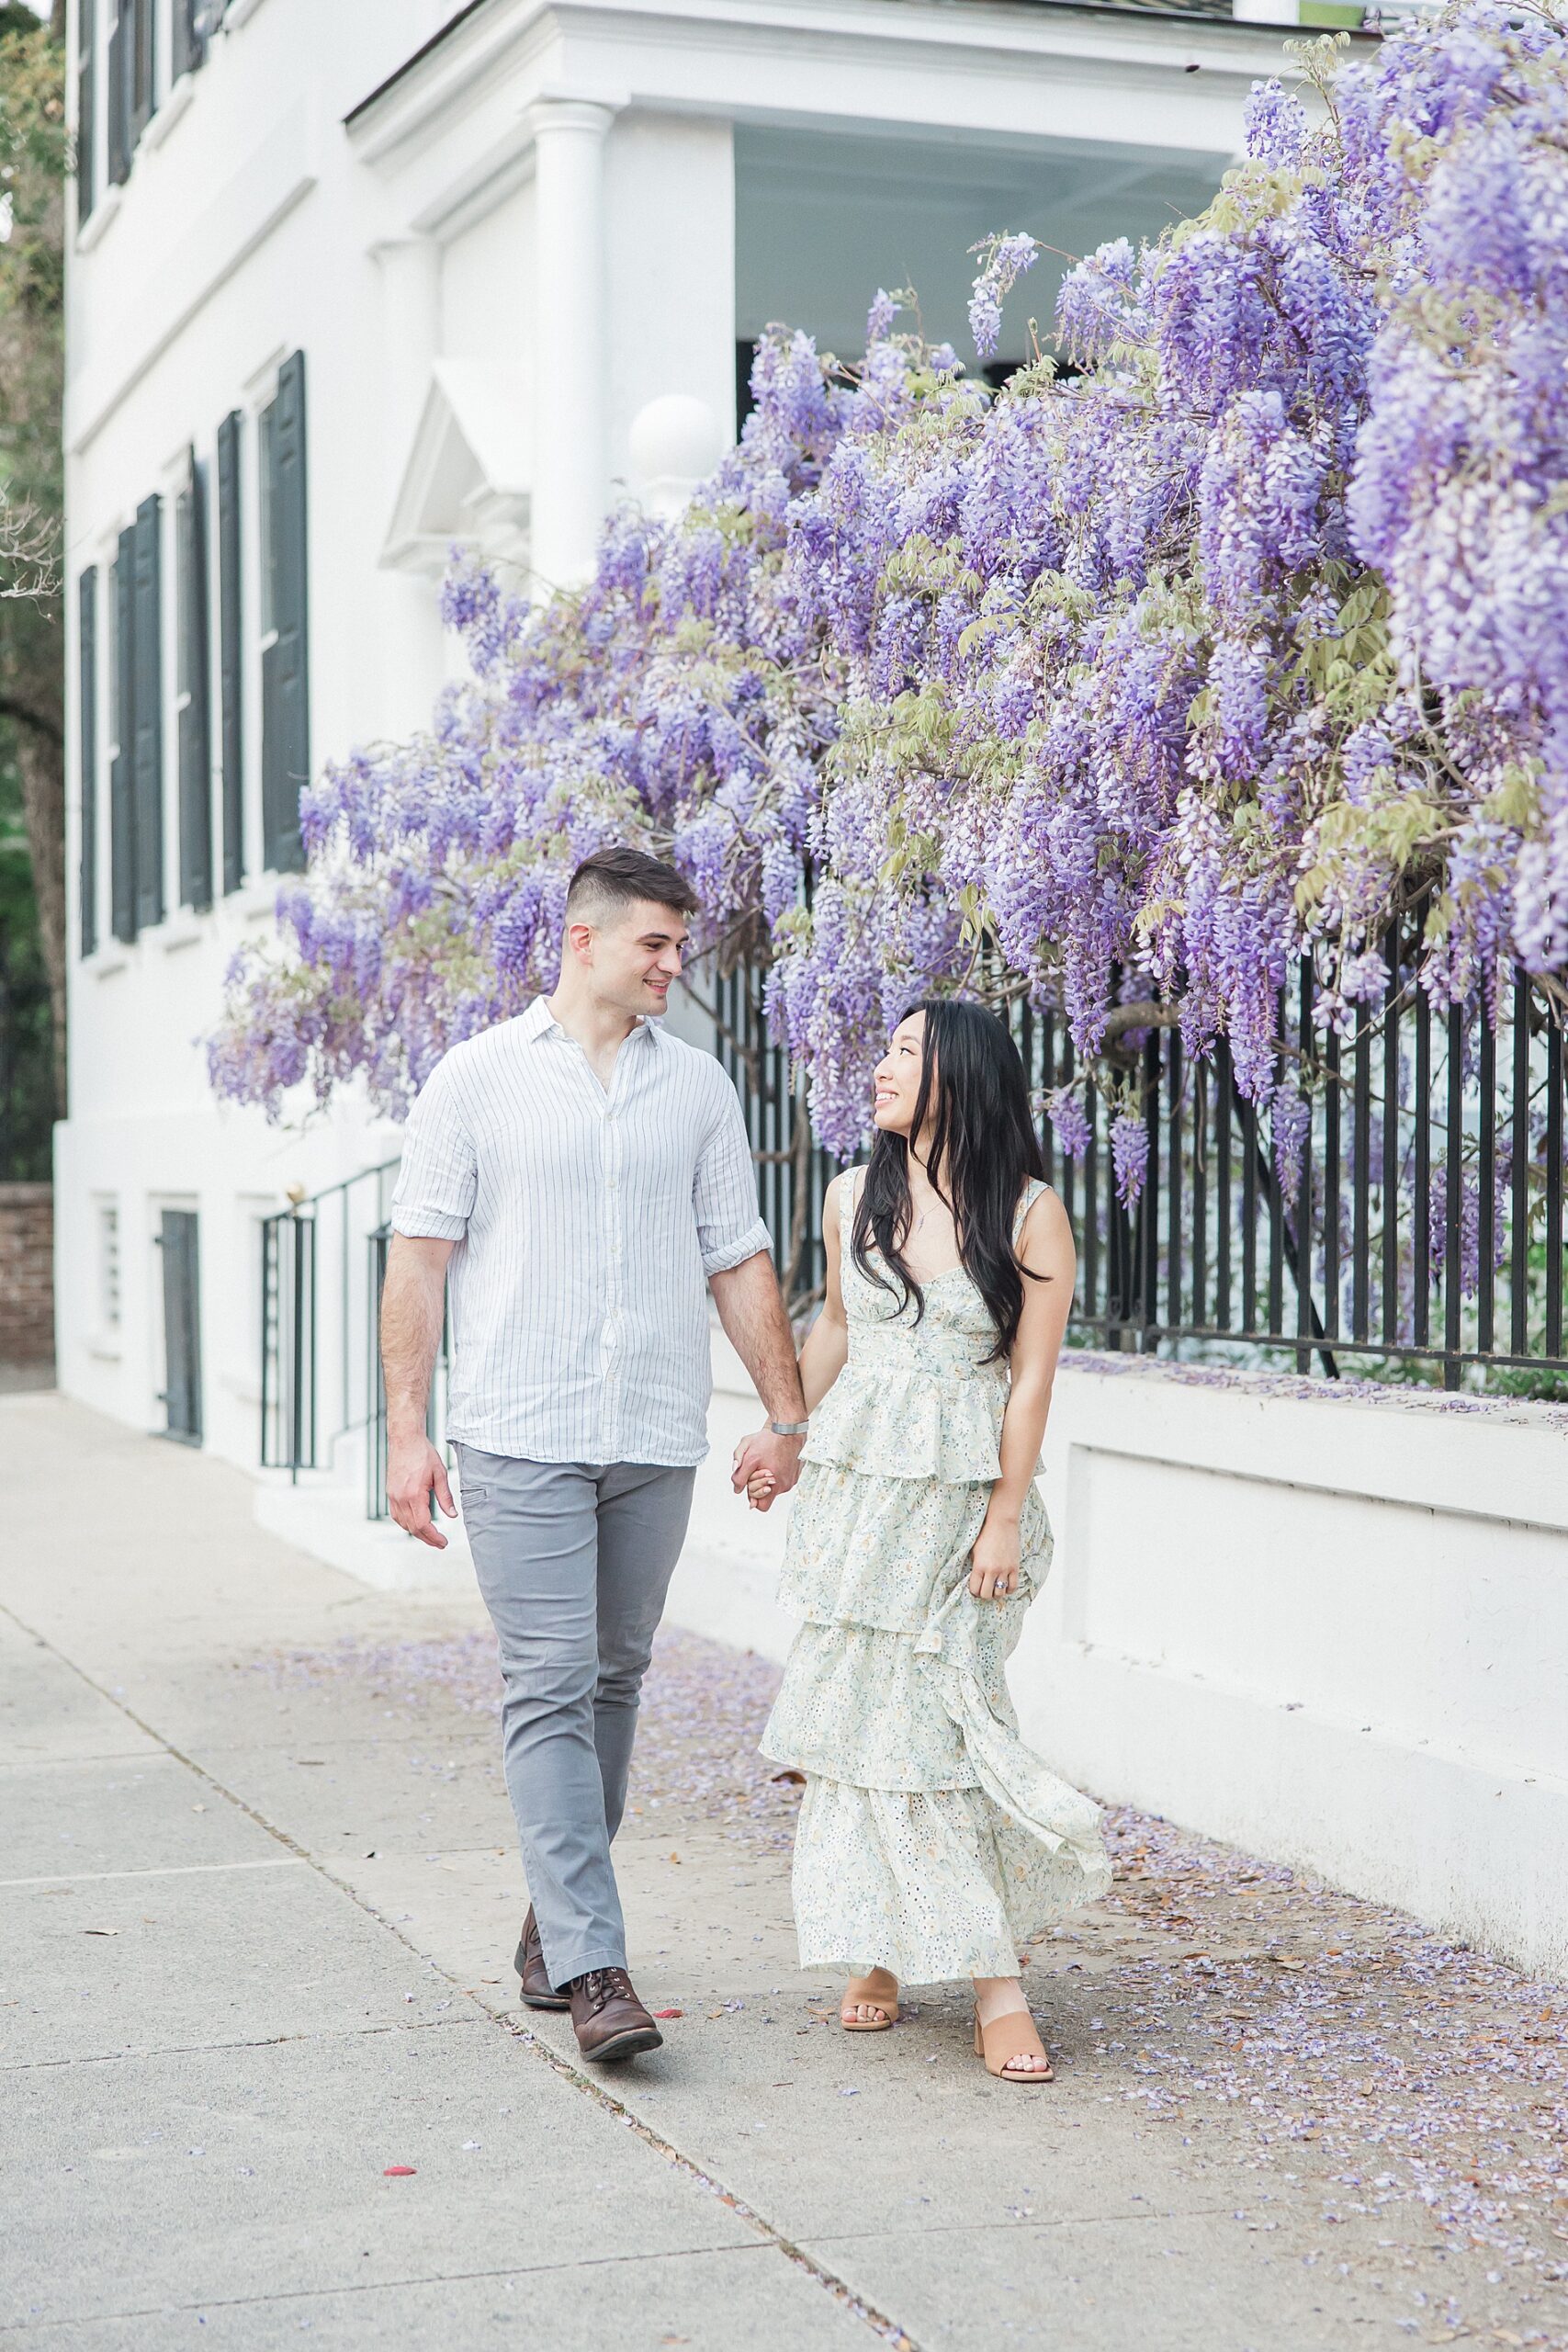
pixel 182 1325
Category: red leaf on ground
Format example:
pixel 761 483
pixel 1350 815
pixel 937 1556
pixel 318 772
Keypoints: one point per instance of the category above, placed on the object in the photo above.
pixel 669 2013
pixel 398 2172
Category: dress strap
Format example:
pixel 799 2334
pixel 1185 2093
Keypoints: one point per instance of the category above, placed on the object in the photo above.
pixel 1027 1199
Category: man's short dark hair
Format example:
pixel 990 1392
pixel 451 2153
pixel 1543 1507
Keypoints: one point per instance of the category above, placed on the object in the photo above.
pixel 613 879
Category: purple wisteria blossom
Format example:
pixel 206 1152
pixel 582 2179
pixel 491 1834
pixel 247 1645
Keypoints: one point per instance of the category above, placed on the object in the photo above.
pixel 1006 259
pixel 1243 636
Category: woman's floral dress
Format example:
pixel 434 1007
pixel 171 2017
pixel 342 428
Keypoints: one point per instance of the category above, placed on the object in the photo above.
pixel 931 1842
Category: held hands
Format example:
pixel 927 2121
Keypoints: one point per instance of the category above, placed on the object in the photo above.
pixel 994 1562
pixel 413 1467
pixel 766 1466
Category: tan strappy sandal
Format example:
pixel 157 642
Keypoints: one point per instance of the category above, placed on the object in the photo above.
pixel 864 1992
pixel 1012 2035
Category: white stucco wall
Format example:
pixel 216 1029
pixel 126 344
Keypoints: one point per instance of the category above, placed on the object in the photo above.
pixel 1332 1632
pixel 1329 1631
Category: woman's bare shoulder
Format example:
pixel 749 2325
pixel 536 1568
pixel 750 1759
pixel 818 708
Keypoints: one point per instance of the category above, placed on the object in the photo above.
pixel 1045 1226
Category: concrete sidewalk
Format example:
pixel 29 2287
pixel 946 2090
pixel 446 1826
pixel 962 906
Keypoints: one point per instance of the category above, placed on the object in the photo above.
pixel 262 1894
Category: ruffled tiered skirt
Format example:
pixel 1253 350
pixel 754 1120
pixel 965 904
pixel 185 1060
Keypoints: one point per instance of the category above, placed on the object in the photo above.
pixel 931 1842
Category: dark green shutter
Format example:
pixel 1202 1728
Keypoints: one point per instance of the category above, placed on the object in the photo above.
pixel 147 708
pixel 122 801
pixel 194 724
pixel 286 706
pixel 87 95
pixel 143 64
pixel 119 79
pixel 87 750
pixel 187 44
pixel 230 663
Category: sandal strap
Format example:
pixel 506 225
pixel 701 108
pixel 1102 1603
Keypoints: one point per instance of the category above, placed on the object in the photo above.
pixel 864 1993
pixel 1012 2035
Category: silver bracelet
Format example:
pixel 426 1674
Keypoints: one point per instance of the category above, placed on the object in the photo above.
pixel 789 1428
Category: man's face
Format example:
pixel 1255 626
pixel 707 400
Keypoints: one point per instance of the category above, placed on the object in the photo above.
pixel 636 956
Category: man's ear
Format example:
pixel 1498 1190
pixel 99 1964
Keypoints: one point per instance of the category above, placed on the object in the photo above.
pixel 580 939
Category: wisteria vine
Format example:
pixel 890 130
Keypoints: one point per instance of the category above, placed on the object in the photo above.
pixel 1232 628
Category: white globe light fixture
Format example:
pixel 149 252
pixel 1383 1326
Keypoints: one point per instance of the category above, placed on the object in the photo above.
pixel 675 443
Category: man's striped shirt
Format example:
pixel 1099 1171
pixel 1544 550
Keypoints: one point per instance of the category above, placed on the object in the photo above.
pixel 587 1225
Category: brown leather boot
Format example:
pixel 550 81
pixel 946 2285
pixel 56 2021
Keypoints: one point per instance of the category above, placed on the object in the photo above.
pixel 537 1990
pixel 609 2020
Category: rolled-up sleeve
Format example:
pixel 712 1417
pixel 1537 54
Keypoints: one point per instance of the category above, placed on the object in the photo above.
pixel 724 1193
pixel 439 1175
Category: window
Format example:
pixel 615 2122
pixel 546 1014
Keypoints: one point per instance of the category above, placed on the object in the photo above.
pixel 285 618
pixel 133 80
pixel 130 74
pixel 109 1265
pixel 87 751
pixel 192 692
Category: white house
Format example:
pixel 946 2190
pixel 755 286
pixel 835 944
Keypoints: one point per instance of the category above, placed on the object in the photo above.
pixel 353 279
pixel 350 282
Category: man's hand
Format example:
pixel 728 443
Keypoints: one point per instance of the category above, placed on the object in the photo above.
pixel 413 1466
pixel 766 1458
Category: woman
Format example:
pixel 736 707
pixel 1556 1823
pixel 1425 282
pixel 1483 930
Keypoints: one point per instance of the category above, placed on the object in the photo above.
pixel 931 1842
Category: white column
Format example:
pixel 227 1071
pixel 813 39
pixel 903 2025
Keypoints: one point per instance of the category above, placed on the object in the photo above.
pixel 411 666
pixel 570 339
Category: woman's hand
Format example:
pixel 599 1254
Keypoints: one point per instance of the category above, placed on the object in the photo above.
pixel 994 1564
pixel 765 1467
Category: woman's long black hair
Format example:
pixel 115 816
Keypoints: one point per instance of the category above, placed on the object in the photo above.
pixel 983 1150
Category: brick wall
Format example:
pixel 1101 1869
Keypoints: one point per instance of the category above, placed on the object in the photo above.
pixel 26 1273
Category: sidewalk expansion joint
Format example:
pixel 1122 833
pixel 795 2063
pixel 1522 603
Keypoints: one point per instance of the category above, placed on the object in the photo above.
pixel 888 2329
pixel 165 1869
pixel 374 2286
pixel 262 2041
pixel 880 2323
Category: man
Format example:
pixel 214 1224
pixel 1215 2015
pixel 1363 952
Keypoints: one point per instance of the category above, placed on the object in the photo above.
pixel 581 1175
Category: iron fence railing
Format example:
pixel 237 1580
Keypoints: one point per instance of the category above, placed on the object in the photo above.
pixel 323 1263
pixel 1399 1212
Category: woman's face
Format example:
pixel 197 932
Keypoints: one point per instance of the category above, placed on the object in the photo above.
pixel 896 1083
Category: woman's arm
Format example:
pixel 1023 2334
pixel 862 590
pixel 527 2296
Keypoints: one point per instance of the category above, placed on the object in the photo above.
pixel 1045 1247
pixel 826 1348
pixel 822 1358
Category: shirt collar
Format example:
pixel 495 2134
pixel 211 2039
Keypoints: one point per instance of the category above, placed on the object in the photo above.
pixel 540 1022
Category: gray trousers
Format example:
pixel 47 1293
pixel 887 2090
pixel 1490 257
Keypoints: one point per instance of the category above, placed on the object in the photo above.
pixel 573 1560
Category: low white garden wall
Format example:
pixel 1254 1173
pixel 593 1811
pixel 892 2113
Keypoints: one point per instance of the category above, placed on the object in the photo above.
pixel 1331 1630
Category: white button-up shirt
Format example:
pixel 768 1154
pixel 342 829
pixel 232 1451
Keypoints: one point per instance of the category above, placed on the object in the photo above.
pixel 587 1224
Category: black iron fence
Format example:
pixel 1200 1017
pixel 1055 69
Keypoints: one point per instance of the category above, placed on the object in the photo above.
pixel 323 1263
pixel 1397 1212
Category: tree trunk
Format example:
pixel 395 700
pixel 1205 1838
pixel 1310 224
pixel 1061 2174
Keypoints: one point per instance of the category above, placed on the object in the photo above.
pixel 41 756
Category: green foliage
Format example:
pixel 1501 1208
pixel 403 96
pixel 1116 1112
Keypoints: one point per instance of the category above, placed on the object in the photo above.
pixel 34 158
